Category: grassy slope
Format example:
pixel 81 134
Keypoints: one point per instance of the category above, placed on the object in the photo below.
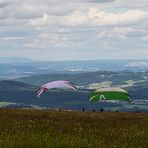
pixel 62 129
pixel 4 104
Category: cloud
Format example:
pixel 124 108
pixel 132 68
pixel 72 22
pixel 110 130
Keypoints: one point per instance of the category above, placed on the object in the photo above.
pixel 12 22
pixel 116 32
pixel 145 38
pixel 13 38
pixel 74 28
pixel 133 3
pixel 34 44
pixel 46 39
pixel 94 1
pixel 4 4
pixel 93 17
pixel 55 39
pixel 128 17
pixel 28 11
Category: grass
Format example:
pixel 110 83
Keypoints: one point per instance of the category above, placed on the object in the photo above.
pixel 4 104
pixel 101 84
pixel 68 129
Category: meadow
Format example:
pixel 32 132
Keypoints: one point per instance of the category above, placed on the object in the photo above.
pixel 30 128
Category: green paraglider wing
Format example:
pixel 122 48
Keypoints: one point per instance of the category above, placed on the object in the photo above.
pixel 94 98
pixel 109 95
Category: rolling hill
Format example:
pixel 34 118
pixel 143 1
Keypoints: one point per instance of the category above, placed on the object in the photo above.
pixel 24 95
pixel 88 78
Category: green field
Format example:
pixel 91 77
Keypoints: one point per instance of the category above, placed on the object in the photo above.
pixel 4 104
pixel 68 129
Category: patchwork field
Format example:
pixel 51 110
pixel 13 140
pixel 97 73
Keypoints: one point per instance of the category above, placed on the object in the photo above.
pixel 72 129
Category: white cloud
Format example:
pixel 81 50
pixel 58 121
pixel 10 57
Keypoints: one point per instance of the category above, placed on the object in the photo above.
pixel 46 39
pixel 28 11
pixel 128 17
pixel 116 32
pixel 93 17
pixel 134 53
pixel 133 3
pixel 145 38
pixel 13 38
pixel 69 26
pixel 55 39
pixel 34 44
pixel 4 4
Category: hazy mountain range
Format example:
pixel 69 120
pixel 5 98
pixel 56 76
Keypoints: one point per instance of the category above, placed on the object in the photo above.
pixel 22 67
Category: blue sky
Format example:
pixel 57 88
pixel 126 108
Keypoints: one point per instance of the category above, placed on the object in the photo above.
pixel 74 29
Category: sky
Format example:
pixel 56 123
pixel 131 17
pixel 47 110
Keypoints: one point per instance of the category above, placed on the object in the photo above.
pixel 74 29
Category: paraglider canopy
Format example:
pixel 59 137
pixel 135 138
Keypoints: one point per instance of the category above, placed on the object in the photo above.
pixel 60 84
pixel 110 93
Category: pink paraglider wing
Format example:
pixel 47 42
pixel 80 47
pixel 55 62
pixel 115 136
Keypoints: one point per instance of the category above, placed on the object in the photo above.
pixel 56 84
pixel 39 92
pixel 72 84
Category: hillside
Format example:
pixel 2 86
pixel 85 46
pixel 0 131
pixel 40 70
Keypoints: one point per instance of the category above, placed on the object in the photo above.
pixel 9 85
pixel 24 95
pixel 86 79
pixel 139 90
pixel 72 129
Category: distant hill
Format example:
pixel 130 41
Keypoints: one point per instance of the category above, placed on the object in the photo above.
pixel 24 94
pixel 87 78
pixel 139 90
pixel 139 64
pixel 19 92
pixel 8 85
pixel 21 67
